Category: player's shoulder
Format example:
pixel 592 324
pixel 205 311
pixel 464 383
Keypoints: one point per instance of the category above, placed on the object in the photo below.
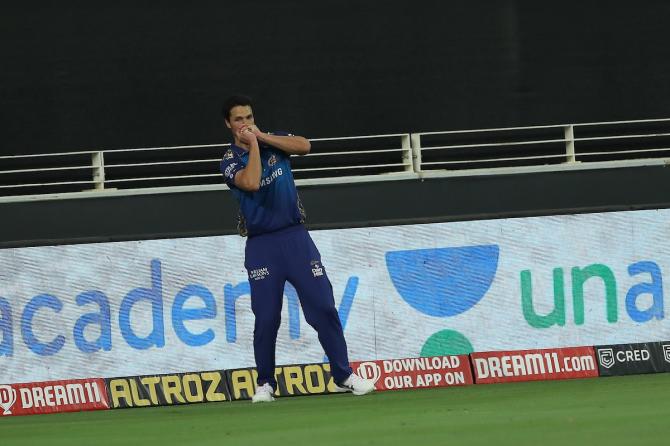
pixel 228 155
pixel 231 154
pixel 230 163
pixel 273 149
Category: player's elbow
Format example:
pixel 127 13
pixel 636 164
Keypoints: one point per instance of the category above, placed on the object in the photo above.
pixel 247 184
pixel 305 146
pixel 251 186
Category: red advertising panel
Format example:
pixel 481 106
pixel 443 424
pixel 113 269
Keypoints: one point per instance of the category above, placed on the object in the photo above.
pixel 415 373
pixel 53 396
pixel 534 365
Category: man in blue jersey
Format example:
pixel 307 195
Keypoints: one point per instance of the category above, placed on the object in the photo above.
pixel 258 171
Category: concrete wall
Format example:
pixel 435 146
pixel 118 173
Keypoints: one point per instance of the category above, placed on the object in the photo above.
pixel 336 206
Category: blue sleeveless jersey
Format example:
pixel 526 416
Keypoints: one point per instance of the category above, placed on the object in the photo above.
pixel 276 204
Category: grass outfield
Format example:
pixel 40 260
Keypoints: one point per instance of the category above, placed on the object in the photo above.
pixel 613 411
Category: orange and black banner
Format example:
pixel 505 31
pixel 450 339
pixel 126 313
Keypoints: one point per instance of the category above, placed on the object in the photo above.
pixel 166 390
pixel 292 380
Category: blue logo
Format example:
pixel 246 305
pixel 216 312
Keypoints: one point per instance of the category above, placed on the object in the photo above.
pixel 443 281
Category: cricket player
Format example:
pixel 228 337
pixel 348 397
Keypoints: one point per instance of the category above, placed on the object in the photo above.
pixel 258 171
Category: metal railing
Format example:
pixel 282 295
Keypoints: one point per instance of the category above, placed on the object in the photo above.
pixel 552 145
pixel 343 160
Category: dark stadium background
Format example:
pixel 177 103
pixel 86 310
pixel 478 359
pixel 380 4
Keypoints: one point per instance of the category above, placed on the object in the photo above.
pixel 92 75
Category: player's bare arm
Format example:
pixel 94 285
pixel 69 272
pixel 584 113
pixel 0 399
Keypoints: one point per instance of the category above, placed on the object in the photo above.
pixel 249 178
pixel 293 145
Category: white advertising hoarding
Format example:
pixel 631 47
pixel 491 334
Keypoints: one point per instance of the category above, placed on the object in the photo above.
pixel 163 306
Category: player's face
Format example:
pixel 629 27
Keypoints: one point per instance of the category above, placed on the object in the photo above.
pixel 240 116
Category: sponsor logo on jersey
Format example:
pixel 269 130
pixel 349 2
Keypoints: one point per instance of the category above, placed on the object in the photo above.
pixel 270 178
pixel 229 169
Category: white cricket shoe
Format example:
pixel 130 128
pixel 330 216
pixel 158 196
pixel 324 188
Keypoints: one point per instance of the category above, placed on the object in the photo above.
pixel 356 385
pixel 263 394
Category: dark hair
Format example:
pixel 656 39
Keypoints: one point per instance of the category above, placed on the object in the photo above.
pixel 234 101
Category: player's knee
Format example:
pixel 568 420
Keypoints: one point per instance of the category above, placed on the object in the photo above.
pixel 268 322
pixel 320 313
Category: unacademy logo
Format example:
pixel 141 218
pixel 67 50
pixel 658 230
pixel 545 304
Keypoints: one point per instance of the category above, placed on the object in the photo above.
pixel 443 281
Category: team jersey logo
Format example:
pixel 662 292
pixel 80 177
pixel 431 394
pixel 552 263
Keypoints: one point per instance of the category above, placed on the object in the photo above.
pixel 272 161
pixel 228 155
pixel 229 170
pixel 317 269
pixel 270 178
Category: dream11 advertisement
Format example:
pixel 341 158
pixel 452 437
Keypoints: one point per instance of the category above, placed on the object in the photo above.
pixel 172 306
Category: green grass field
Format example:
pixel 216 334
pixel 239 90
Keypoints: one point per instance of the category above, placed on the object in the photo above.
pixel 632 410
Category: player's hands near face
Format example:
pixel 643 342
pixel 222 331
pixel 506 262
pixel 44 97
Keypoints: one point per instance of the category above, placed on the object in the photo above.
pixel 247 135
pixel 255 129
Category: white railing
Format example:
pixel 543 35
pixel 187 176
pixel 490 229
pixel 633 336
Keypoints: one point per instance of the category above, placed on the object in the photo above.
pixel 347 159
pixel 605 143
